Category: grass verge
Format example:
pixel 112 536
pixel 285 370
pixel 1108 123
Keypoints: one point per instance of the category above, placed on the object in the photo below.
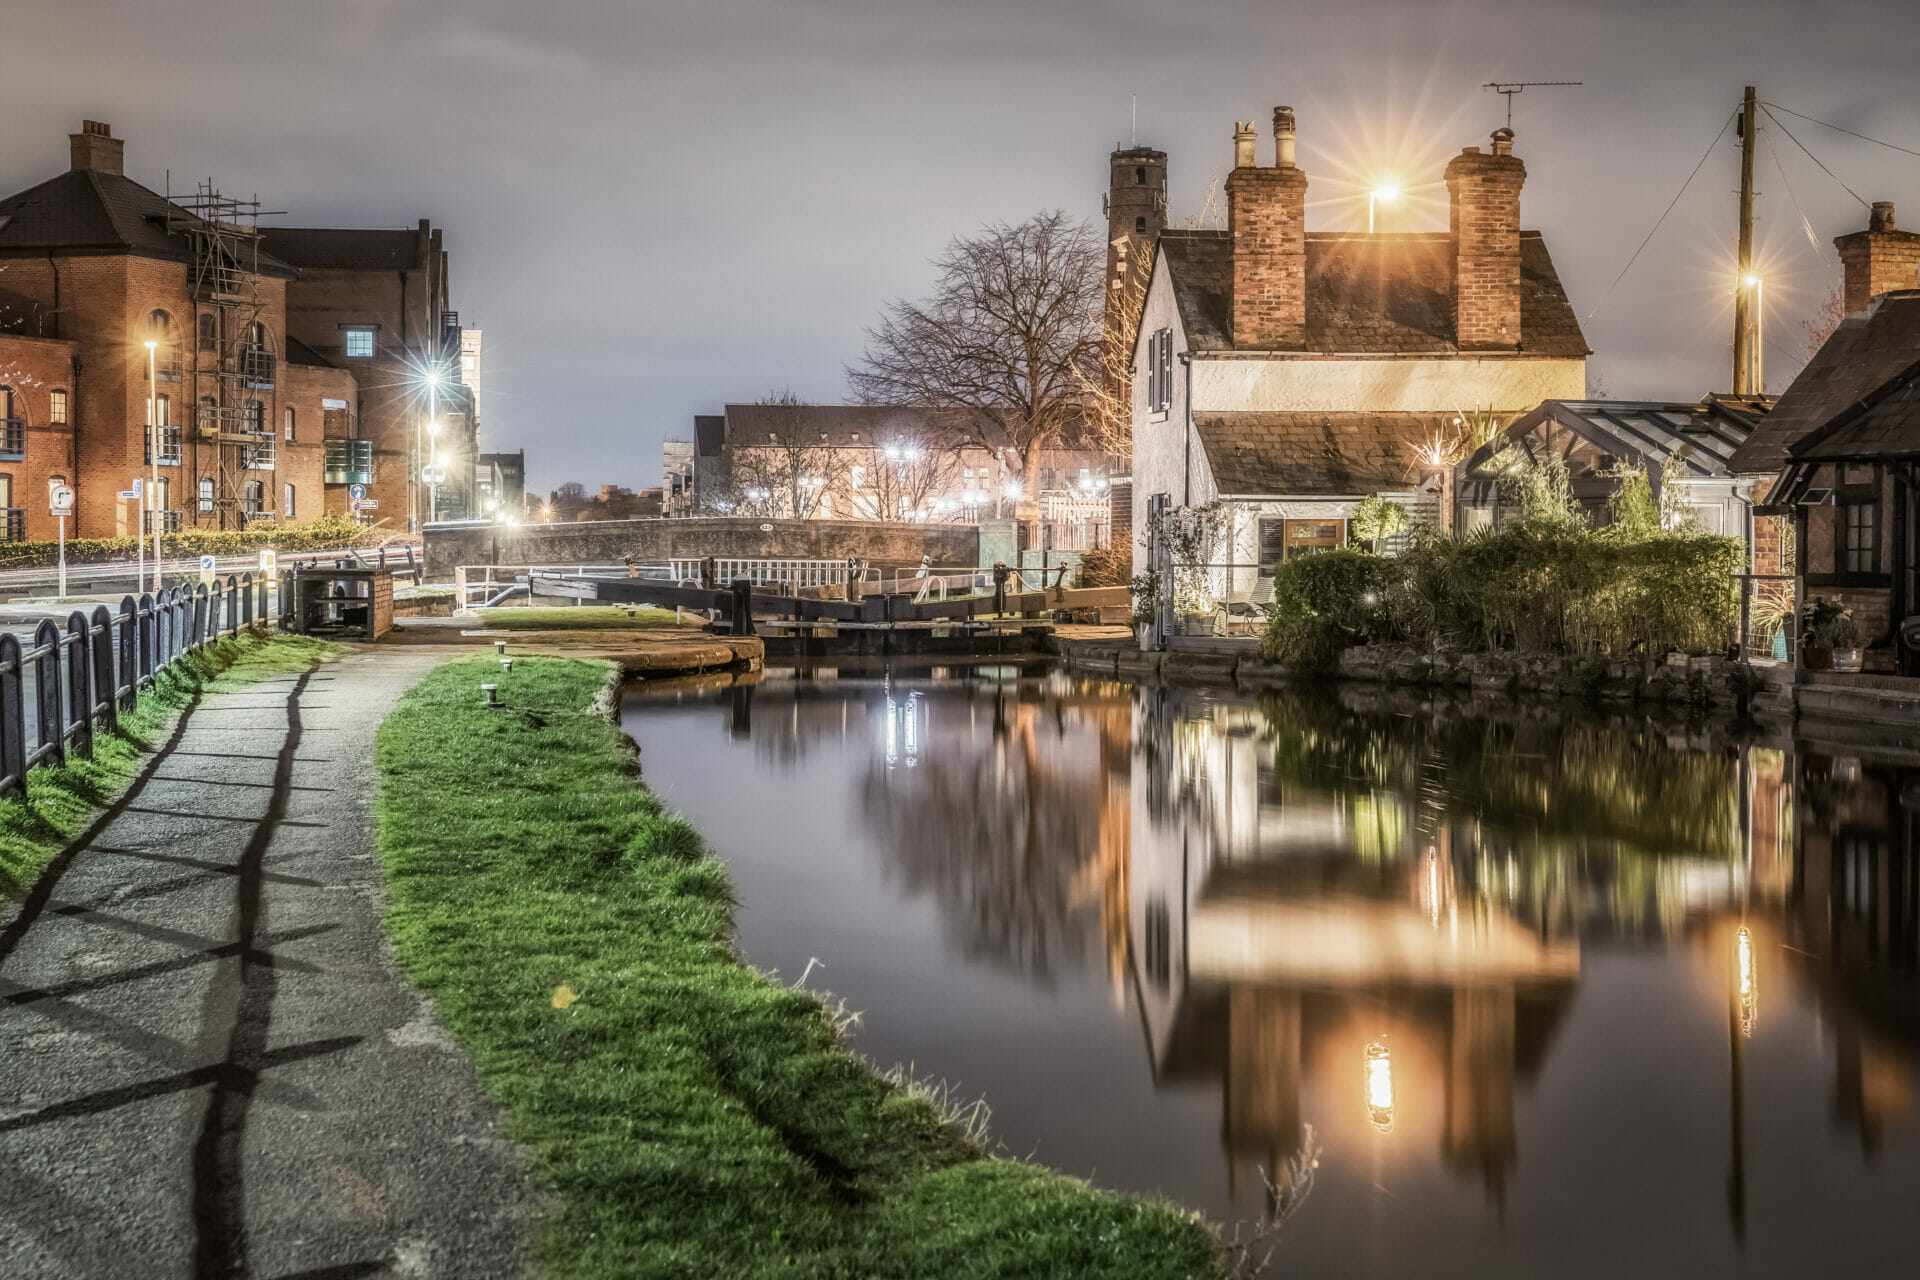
pixel 687 1115
pixel 60 800
pixel 577 618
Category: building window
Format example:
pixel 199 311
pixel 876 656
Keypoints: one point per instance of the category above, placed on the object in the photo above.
pixel 209 331
pixel 166 355
pixel 255 495
pixel 286 502
pixel 1861 543
pixel 359 344
pixel 288 416
pixel 57 407
pixel 256 359
pixel 1140 175
pixel 856 476
pixel 1160 372
pixel 1140 225
pixel 164 434
pixel 254 418
pixel 13 431
pixel 206 493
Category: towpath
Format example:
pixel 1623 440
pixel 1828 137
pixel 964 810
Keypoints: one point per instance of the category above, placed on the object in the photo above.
pixel 209 1066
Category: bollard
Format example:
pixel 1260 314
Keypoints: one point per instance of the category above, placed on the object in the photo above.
pixel 500 647
pixel 492 701
pixel 506 664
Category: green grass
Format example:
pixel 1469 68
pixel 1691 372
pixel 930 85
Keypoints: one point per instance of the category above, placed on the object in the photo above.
pixel 687 1116
pixel 61 800
pixel 580 617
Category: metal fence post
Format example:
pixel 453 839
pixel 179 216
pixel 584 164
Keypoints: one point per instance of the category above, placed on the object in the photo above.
pixel 127 689
pixel 46 681
pixel 233 605
pixel 246 596
pixel 147 612
pixel 105 702
pixel 13 717
pixel 197 624
pixel 77 670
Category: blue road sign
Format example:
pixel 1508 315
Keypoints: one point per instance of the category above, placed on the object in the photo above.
pixel 357 492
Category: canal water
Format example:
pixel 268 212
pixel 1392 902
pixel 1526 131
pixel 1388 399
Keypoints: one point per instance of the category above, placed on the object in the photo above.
pixel 1443 990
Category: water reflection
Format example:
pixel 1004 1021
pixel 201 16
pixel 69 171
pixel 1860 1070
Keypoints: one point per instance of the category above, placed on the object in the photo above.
pixel 1377 937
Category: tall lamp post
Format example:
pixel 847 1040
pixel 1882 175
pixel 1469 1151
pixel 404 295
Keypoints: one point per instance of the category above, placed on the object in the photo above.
pixel 433 429
pixel 153 455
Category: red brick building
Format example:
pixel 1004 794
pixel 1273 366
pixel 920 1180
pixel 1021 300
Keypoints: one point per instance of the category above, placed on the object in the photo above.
pixel 258 409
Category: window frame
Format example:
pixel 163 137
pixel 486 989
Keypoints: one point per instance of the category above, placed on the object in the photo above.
pixel 348 342
pixel 57 407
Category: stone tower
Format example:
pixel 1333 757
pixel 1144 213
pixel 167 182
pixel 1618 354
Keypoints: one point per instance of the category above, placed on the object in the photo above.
pixel 1136 206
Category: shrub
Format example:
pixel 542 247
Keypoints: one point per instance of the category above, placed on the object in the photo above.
pixel 1376 518
pixel 325 534
pixel 1108 566
pixel 1322 603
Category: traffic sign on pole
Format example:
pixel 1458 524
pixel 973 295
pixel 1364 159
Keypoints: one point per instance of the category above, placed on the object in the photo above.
pixel 206 571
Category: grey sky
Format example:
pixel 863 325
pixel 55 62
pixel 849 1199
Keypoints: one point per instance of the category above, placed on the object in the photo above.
pixel 654 208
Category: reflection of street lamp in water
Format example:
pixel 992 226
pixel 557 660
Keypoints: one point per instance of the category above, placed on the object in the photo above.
pixel 1380 1087
pixel 1749 989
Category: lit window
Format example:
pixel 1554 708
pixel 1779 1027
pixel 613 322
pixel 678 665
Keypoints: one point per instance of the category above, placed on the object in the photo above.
pixel 206 493
pixel 57 413
pixel 359 344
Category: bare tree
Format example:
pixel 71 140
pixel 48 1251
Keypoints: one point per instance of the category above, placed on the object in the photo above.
pixel 1826 318
pixel 1007 344
pixel 910 468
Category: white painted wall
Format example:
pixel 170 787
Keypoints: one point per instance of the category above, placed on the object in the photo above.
pixel 1160 454
pixel 1383 384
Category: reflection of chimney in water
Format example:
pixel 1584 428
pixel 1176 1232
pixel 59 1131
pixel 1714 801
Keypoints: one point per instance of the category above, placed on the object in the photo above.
pixel 1480 1127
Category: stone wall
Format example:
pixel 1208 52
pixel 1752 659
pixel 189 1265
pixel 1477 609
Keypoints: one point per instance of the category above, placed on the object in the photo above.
pixel 654 541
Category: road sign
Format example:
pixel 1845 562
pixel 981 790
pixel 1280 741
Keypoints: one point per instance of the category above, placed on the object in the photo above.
pixel 269 562
pixel 206 571
pixel 433 474
pixel 60 499
pixel 357 492
pixel 367 504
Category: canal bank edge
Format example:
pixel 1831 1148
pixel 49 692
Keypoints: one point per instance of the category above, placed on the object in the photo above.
pixel 686 1113
pixel 1701 681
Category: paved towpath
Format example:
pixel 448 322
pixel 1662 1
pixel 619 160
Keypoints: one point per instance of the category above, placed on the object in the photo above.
pixel 209 1066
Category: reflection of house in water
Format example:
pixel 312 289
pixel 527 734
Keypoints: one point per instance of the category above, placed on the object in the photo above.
pixel 1283 929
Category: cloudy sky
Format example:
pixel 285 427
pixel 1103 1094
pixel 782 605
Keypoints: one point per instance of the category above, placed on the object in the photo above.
pixel 656 207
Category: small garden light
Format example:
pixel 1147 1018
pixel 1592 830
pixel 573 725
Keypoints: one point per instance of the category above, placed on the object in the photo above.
pixel 500 647
pixel 506 664
pixel 491 691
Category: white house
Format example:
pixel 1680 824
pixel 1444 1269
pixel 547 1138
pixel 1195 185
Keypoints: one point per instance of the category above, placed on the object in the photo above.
pixel 1292 373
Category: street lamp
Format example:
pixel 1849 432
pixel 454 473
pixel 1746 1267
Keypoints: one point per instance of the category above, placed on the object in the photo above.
pixel 153 456
pixel 1758 358
pixel 1383 194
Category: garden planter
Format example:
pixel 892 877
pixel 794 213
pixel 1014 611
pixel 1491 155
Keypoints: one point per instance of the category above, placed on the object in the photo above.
pixel 1819 656
pixel 1848 660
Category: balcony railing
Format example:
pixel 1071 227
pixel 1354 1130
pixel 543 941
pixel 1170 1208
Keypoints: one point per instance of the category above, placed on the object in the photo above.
pixel 15 524
pixel 13 439
pixel 169 448
pixel 168 521
pixel 258 456
pixel 348 461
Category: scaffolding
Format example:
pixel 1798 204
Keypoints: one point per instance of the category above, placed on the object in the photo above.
pixel 235 378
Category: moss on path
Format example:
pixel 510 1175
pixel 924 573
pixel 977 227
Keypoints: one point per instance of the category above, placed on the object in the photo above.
pixel 688 1115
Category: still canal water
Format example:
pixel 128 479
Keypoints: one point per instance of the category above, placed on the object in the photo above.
pixel 1461 992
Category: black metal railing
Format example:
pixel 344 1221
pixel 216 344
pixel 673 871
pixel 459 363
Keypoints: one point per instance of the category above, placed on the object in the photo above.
pixel 13 439
pixel 76 682
pixel 13 524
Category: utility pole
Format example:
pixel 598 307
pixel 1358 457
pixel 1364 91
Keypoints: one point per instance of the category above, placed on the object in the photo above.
pixel 1743 288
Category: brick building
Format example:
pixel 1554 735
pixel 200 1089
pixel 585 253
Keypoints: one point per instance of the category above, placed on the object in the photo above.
pixel 277 379
pixel 1292 373
pixel 378 304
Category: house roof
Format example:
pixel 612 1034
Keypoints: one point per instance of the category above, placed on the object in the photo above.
pixel 1864 353
pixel 347 248
pixel 1884 423
pixel 1705 434
pixel 299 352
pixel 1313 454
pixel 94 211
pixel 1387 294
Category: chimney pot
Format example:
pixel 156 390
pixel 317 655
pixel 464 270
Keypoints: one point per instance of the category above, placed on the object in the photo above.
pixel 1882 217
pixel 1503 141
pixel 1243 139
pixel 1283 136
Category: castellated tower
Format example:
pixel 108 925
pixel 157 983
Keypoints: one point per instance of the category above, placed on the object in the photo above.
pixel 1136 207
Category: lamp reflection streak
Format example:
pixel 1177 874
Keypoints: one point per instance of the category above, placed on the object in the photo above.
pixel 1380 1086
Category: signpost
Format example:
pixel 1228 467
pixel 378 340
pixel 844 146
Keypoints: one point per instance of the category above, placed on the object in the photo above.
pixel 60 500
pixel 139 531
pixel 206 571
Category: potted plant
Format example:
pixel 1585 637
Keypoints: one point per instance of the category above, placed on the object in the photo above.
pixel 1844 636
pixel 1817 623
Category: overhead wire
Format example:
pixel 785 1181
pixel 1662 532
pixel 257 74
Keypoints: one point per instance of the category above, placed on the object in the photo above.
pixel 1879 142
pixel 1663 215
pixel 1816 159
pixel 1806 223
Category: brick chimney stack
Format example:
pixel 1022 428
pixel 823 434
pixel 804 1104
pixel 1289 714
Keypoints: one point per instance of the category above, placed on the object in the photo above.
pixel 1267 227
pixel 1878 260
pixel 95 147
pixel 1483 196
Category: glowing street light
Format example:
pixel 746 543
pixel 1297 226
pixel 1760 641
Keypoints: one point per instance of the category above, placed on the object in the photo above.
pixel 1380 1086
pixel 1384 194
pixel 1752 285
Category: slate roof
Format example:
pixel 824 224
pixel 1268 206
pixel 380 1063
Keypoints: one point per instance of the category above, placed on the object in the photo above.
pixel 1885 423
pixel 838 425
pixel 93 211
pixel 1314 454
pixel 1386 294
pixel 1705 434
pixel 1864 353
pixel 299 352
pixel 346 248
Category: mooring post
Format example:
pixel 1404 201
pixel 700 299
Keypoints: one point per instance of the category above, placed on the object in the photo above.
pixel 742 607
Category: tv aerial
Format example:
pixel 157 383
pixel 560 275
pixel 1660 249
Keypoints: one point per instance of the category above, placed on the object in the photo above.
pixel 1508 88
